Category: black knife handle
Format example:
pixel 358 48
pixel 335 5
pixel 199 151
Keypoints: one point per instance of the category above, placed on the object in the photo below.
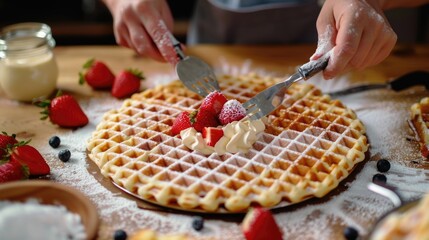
pixel 311 68
pixel 410 79
pixel 357 89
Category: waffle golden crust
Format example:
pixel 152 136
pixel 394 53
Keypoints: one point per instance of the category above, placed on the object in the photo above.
pixel 411 224
pixel 420 124
pixel 311 143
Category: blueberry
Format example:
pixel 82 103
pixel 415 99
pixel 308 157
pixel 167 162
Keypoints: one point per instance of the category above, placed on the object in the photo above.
pixel 379 178
pixel 64 155
pixel 120 235
pixel 350 233
pixel 198 223
pixel 383 165
pixel 54 141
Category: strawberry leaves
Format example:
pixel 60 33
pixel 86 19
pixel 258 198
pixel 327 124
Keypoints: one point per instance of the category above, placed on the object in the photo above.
pixel 20 160
pixel 97 74
pixel 64 111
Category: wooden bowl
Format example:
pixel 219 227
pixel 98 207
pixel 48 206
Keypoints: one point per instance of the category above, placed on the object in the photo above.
pixel 48 192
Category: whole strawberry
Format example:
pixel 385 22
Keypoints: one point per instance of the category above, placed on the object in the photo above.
pixel 11 170
pixel 213 102
pixel 126 83
pixel 181 122
pixel 259 224
pixel 6 141
pixel 29 156
pixel 97 74
pixel 204 119
pixel 65 111
pixel 231 111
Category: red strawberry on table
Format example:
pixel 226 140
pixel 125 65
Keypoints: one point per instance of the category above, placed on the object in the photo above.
pixel 212 135
pixel 65 111
pixel 259 224
pixel 97 74
pixel 11 170
pixel 126 83
pixel 231 111
pixel 6 141
pixel 213 103
pixel 29 156
pixel 181 122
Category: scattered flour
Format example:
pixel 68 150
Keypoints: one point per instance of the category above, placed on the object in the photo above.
pixel 384 115
pixel 325 42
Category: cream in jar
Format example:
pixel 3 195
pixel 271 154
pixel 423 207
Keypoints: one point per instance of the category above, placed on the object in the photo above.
pixel 28 68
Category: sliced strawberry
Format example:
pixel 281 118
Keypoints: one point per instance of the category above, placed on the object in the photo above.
pixel 31 157
pixel 65 111
pixel 259 224
pixel 204 119
pixel 181 122
pixel 212 135
pixel 97 74
pixel 213 103
pixel 11 170
pixel 6 141
pixel 231 111
pixel 126 83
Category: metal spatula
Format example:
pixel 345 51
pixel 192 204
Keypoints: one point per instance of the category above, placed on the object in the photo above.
pixel 195 74
pixel 268 100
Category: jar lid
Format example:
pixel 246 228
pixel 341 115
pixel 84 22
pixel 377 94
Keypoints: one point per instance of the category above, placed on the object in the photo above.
pixel 27 35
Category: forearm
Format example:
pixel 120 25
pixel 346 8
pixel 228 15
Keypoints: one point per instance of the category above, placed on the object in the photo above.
pixel 389 4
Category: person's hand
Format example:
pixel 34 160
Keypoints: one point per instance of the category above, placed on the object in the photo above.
pixel 144 25
pixel 357 34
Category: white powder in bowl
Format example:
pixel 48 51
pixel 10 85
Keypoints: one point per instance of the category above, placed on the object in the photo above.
pixel 32 220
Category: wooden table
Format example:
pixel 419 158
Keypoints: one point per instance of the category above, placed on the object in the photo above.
pixel 23 119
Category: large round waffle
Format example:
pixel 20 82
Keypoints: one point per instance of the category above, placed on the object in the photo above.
pixel 310 144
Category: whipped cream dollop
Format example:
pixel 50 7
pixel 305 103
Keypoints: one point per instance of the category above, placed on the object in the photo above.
pixel 238 136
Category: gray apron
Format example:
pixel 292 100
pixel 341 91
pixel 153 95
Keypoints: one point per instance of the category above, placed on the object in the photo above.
pixel 273 23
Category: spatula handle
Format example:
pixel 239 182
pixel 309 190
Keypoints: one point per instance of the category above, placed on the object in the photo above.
pixel 311 68
pixel 177 46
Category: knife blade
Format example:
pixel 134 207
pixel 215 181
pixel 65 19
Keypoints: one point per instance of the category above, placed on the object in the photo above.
pixel 403 82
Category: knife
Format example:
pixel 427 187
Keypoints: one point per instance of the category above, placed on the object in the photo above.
pixel 403 82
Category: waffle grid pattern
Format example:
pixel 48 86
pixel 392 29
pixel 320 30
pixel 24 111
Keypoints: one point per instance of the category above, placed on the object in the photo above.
pixel 310 144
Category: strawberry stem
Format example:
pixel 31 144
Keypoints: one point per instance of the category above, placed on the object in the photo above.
pixel 59 93
pixel 88 63
pixel 136 72
pixel 81 78
pixel 192 116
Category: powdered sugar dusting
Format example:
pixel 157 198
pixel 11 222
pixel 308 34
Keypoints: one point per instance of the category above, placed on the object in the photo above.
pixel 232 110
pixel 383 112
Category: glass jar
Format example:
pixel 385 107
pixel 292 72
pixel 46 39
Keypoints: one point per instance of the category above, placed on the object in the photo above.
pixel 28 68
